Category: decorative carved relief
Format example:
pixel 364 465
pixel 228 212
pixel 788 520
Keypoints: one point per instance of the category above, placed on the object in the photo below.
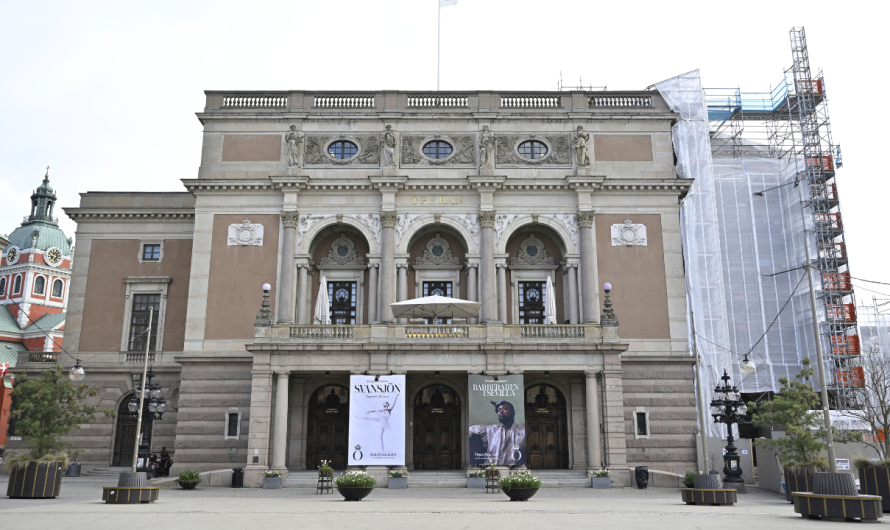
pixel 471 221
pixel 293 139
pixel 580 145
pixel 464 151
pixel 437 252
pixel 246 234
pixel 290 219
pixel 402 224
pixel 306 222
pixel 342 253
pixel 585 219
pixel 368 154
pixel 486 219
pixel 558 154
pixel 569 221
pixel 388 219
pixel 389 141
pixel 532 252
pixel 629 235
pixel 487 142
pixel 371 220
pixel 501 222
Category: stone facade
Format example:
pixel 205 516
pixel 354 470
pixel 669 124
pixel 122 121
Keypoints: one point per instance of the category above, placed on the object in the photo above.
pixel 482 195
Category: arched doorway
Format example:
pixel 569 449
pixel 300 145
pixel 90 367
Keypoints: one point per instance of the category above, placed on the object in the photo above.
pixel 327 432
pixel 545 426
pixel 437 432
pixel 125 434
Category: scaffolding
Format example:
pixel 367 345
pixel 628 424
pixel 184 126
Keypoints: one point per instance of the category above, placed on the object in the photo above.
pixel 786 134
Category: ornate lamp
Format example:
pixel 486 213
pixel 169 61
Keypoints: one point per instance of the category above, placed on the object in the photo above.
pixel 728 408
pixel 77 372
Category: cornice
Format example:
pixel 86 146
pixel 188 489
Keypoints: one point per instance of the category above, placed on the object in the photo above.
pixel 117 214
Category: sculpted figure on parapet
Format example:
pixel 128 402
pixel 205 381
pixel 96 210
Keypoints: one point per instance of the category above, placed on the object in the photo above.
pixel 486 148
pixel 581 139
pixel 389 146
pixel 294 139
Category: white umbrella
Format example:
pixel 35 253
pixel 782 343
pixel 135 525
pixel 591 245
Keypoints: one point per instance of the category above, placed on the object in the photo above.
pixel 550 311
pixel 435 307
pixel 323 304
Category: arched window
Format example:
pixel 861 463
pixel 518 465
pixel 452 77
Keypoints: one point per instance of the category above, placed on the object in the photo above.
pixel 2 286
pixel 437 149
pixel 39 285
pixel 532 149
pixel 17 285
pixel 58 285
pixel 342 149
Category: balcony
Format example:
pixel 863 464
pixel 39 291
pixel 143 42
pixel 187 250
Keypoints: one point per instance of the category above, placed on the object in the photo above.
pixel 468 335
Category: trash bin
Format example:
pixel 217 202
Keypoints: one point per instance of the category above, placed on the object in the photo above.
pixel 641 473
pixel 237 477
pixel 73 470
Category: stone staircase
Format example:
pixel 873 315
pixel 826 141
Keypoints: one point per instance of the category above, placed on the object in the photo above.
pixel 106 471
pixel 552 478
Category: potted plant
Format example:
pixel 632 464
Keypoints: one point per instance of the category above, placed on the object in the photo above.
pixel 45 409
pixel 874 478
pixel 476 479
pixel 600 479
pixel 272 480
pixel 188 479
pixel 689 479
pixel 398 480
pixel 325 469
pixel 520 486
pixel 355 485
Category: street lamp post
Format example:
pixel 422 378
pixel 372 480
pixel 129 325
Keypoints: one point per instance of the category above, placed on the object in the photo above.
pixel 153 406
pixel 727 407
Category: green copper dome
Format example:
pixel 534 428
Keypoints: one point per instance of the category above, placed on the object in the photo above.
pixel 42 221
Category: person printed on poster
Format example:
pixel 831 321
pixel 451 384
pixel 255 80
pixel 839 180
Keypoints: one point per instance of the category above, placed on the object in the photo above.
pixel 504 442
pixel 382 417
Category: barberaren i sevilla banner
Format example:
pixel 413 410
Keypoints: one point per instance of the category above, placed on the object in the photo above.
pixel 377 420
pixel 497 420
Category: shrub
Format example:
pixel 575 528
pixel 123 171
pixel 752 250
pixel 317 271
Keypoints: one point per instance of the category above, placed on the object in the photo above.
pixel 355 479
pixel 189 475
pixel 689 477
pixel 273 474
pixel 325 469
pixel 476 474
pixel 863 462
pixel 601 473
pixel 522 479
pixel 398 474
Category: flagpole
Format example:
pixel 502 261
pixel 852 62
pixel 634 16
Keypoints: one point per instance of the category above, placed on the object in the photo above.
pixel 439 47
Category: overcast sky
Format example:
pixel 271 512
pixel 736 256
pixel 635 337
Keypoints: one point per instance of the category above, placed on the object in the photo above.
pixel 105 92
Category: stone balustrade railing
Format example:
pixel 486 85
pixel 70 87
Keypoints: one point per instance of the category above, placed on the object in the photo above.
pixel 136 357
pixel 401 333
pixel 43 357
pixel 452 102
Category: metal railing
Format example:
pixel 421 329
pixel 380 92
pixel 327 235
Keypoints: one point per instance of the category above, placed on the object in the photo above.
pixel 437 332
pixel 43 357
pixel 322 332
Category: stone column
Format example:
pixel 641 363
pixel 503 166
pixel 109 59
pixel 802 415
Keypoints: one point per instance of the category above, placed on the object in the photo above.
pixel 471 287
pixel 502 292
pixel 372 292
pixel 279 438
pixel 403 286
pixel 387 265
pixel 296 433
pixel 594 439
pixel 588 266
pixel 302 293
pixel 571 271
pixel 489 309
pixel 258 430
pixel 286 286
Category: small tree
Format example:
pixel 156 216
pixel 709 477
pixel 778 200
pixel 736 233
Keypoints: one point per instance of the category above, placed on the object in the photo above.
pixel 793 409
pixel 45 409
pixel 874 399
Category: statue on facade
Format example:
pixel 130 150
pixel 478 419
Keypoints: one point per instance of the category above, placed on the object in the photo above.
pixel 486 148
pixel 294 139
pixel 389 147
pixel 581 138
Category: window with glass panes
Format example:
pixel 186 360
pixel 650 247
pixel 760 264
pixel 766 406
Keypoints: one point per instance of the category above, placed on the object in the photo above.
pixel 532 301
pixel 437 149
pixel 151 252
pixel 232 429
pixel 142 304
pixel 342 150
pixel 342 296
pixel 532 149
pixel 437 288
pixel 57 288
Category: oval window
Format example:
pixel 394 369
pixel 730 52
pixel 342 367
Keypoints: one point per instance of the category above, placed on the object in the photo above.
pixel 532 149
pixel 437 149
pixel 342 149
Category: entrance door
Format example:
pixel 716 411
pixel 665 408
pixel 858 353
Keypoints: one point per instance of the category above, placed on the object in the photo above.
pixel 546 428
pixel 437 288
pixel 327 432
pixel 437 434
pixel 532 301
pixel 125 437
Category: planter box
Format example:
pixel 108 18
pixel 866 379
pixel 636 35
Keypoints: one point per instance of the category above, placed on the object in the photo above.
pixel 354 494
pixel 398 483
pixel 476 482
pixel 188 484
pixel 797 481
pixel 838 507
pixel 36 481
pixel 519 494
pixel 73 470
pixel 600 483
pixel 876 481
pixel 272 483
pixel 130 495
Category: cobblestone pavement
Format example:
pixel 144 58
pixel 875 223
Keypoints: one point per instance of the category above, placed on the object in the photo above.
pixel 79 506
